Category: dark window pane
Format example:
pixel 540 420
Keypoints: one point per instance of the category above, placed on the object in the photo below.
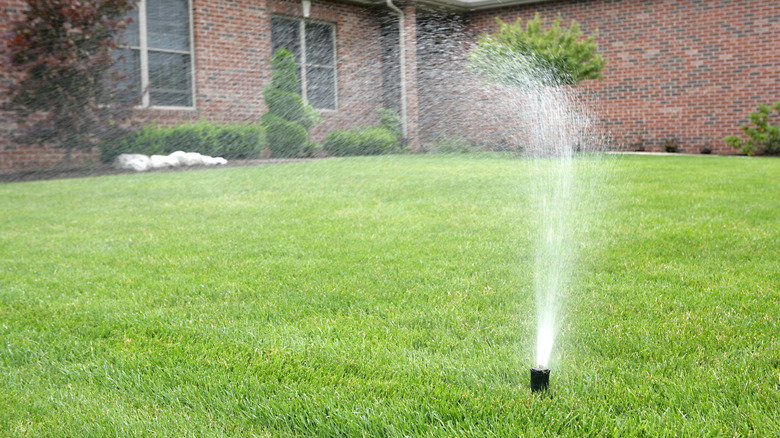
pixel 168 24
pixel 285 33
pixel 170 98
pixel 320 57
pixel 321 87
pixel 130 35
pixel 170 79
pixel 128 69
pixel 319 44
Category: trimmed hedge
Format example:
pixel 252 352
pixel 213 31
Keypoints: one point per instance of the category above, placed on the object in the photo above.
pixel 454 144
pixel 289 118
pixel 286 139
pixel 372 140
pixel 230 141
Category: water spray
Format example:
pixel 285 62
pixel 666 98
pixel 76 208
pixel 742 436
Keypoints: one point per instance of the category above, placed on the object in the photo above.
pixel 540 374
pixel 540 378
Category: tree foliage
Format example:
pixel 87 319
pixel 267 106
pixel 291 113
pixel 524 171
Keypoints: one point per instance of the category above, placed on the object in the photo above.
pixel 534 57
pixel 62 51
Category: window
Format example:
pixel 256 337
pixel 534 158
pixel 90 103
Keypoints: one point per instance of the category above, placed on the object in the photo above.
pixel 156 54
pixel 312 44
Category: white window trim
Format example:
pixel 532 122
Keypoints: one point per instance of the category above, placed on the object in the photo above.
pixel 143 49
pixel 304 80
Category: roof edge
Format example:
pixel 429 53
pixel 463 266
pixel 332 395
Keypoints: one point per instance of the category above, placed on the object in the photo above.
pixel 478 5
pixel 458 5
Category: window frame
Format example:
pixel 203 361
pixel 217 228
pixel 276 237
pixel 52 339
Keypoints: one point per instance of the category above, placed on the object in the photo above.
pixel 303 58
pixel 143 58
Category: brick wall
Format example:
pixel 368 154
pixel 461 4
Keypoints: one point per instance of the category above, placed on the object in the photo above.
pixel 412 82
pixel 359 73
pixel 232 65
pixel 691 70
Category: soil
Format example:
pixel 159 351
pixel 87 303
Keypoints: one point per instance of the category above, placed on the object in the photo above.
pixel 61 172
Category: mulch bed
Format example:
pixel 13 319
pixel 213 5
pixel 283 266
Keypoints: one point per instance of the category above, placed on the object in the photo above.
pixel 61 172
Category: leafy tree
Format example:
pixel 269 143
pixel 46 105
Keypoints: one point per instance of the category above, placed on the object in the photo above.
pixel 534 58
pixel 62 51
pixel 289 118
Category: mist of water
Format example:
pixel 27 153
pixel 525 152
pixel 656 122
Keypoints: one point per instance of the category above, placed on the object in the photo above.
pixel 563 155
pixel 561 142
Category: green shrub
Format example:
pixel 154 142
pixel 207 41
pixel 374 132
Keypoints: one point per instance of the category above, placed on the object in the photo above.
pixel 284 104
pixel 230 141
pixel 390 120
pixel 372 140
pixel 454 144
pixel 671 145
pixel 286 139
pixel 283 75
pixel 378 140
pixel 762 136
pixel 289 118
pixel 534 57
pixel 341 143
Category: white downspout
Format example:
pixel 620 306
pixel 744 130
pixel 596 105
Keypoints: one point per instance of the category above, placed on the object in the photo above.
pixel 306 6
pixel 402 65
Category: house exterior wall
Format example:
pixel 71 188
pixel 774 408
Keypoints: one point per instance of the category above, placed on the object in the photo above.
pixel 411 80
pixel 688 70
pixel 232 52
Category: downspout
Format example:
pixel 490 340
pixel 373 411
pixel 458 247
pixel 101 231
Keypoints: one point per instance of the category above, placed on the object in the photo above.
pixel 402 65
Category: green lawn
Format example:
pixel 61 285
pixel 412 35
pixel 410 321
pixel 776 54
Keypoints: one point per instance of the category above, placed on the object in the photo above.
pixel 388 297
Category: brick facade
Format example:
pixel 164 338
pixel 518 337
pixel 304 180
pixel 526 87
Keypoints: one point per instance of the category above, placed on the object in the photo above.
pixel 688 70
pixel 232 41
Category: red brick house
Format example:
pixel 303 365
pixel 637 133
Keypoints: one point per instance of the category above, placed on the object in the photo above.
pixel 690 70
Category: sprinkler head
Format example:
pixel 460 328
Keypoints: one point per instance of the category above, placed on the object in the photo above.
pixel 540 378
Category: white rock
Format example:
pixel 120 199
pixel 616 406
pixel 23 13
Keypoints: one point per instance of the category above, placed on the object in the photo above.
pixel 140 163
pixel 213 161
pixel 162 161
pixel 177 156
pixel 191 159
pixel 137 162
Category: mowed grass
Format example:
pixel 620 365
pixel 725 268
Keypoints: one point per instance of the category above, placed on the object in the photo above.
pixel 388 297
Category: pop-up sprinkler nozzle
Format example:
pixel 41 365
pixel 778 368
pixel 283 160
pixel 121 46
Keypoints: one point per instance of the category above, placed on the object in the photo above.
pixel 540 378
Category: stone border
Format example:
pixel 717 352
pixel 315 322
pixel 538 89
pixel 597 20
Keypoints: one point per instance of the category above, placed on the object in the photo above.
pixel 66 172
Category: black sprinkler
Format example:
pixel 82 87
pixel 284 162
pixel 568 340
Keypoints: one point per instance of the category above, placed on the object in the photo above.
pixel 540 378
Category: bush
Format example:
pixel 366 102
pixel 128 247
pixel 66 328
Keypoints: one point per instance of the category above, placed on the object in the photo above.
pixel 762 136
pixel 533 57
pixel 230 141
pixel 284 104
pixel 373 140
pixel 455 144
pixel 671 145
pixel 390 120
pixel 286 139
pixel 289 118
